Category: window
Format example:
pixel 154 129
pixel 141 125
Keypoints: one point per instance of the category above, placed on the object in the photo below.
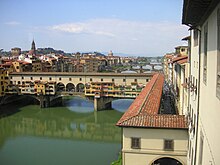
pixel 70 79
pixel 135 142
pixel 201 149
pixel 31 78
pixel 80 79
pixel 195 37
pixel 205 53
pixel 60 78
pixel 40 78
pixel 19 82
pixel 50 78
pixel 218 56
pixel 135 80
pixel 147 80
pixel 124 80
pixel 90 79
pixel 101 79
pixel 22 77
pixel 168 145
pixel 113 80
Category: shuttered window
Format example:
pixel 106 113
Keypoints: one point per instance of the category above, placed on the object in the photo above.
pixel 218 56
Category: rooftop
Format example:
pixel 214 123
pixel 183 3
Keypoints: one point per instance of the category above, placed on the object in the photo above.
pixel 196 11
pixel 144 111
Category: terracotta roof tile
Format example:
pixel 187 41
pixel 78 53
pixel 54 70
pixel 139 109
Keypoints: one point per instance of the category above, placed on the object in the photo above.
pixel 185 60
pixel 144 111
pixel 179 58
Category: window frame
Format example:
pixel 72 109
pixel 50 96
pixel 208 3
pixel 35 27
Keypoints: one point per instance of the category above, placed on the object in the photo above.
pixel 135 142
pixel 218 56
pixel 168 145
pixel 205 49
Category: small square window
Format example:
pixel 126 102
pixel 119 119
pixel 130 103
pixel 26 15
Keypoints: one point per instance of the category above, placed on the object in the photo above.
pixel 31 78
pixel 101 79
pixel 60 78
pixel 90 79
pixel 50 78
pixel 80 79
pixel 168 145
pixel 135 143
pixel 40 78
pixel 70 79
pixel 124 80
pixel 22 77
pixel 113 80
pixel 135 80
pixel 147 80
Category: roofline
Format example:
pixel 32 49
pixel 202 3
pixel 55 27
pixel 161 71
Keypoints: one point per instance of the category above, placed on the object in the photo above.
pixel 82 74
pixel 195 12
pixel 122 126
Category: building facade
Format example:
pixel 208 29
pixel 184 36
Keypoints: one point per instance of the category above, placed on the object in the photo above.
pixel 204 81
pixel 150 137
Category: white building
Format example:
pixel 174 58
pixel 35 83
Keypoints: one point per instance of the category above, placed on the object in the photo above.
pixel 203 18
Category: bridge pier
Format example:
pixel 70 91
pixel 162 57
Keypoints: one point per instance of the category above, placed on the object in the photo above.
pixel 44 101
pixel 102 103
pixel 48 101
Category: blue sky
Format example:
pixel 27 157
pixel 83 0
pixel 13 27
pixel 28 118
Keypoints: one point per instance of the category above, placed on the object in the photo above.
pixel 137 27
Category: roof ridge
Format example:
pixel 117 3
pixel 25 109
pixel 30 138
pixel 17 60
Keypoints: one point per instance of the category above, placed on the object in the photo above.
pixel 144 101
pixel 154 79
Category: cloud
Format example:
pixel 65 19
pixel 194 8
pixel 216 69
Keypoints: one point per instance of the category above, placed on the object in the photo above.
pixel 138 37
pixel 89 27
pixel 12 23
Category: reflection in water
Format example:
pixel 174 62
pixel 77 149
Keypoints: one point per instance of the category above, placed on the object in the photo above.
pixel 41 136
pixel 79 104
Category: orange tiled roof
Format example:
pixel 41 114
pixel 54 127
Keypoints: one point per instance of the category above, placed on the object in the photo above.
pixel 185 60
pixel 179 58
pixel 143 112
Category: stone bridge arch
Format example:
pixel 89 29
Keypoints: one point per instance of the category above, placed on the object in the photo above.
pixel 70 87
pixel 164 160
pixel 60 87
pixel 80 87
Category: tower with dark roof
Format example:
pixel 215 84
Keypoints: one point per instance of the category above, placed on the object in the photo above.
pixel 33 48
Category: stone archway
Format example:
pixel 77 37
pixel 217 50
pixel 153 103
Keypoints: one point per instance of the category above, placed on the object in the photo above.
pixel 60 87
pixel 80 87
pixel 70 87
pixel 166 161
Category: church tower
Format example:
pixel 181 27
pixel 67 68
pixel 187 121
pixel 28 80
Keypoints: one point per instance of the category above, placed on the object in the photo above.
pixel 33 49
pixel 33 46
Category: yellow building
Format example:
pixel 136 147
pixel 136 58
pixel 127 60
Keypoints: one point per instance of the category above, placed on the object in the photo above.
pixel 4 81
pixel 40 87
pixel 36 66
pixel 181 50
pixel 180 73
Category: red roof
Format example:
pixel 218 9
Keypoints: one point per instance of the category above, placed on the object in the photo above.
pixel 179 58
pixel 144 111
pixel 182 61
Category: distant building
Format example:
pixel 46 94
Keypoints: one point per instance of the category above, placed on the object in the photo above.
pixel 33 49
pixel 15 51
pixel 181 50
pixel 4 80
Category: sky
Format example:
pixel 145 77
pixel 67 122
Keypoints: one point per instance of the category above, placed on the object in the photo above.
pixel 133 27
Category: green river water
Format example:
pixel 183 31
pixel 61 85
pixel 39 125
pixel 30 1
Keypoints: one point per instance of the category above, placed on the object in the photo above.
pixel 70 135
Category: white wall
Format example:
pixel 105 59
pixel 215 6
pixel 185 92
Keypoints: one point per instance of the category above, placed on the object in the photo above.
pixel 152 144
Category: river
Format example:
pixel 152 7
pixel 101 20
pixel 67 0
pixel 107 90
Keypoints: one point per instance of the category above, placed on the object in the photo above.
pixel 70 135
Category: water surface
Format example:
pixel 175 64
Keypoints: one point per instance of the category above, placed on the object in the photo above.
pixel 72 134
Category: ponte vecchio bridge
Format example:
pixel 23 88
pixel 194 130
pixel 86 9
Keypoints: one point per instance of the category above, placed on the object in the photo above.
pixel 103 88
